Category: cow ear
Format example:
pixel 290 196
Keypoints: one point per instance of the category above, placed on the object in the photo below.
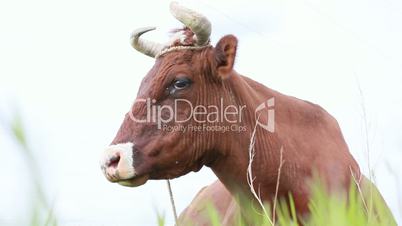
pixel 225 54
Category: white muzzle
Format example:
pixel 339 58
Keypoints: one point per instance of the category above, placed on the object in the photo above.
pixel 117 162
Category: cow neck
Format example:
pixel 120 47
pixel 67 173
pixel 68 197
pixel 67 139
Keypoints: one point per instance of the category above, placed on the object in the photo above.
pixel 231 167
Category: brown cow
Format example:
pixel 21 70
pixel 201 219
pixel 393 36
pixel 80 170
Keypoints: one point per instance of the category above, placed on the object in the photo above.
pixel 193 109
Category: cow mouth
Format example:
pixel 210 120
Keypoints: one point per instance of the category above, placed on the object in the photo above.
pixel 134 181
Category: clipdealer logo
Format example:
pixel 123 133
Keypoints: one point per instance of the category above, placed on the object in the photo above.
pixel 219 117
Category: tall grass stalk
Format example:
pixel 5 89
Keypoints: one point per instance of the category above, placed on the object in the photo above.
pixel 42 213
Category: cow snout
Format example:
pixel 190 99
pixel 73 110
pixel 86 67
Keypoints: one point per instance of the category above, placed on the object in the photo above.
pixel 117 162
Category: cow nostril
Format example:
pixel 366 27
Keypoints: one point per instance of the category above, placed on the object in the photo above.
pixel 114 161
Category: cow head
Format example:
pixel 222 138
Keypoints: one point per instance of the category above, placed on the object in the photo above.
pixel 164 135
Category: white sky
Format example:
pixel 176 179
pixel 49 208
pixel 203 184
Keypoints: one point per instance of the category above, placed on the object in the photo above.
pixel 68 67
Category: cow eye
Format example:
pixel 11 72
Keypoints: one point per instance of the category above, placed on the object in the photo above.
pixel 181 83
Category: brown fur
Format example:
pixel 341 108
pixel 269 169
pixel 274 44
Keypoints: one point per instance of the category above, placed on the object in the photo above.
pixel 310 137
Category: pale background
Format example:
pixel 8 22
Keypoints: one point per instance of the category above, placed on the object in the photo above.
pixel 67 66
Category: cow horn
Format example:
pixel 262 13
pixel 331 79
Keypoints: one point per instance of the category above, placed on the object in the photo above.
pixel 198 23
pixel 148 48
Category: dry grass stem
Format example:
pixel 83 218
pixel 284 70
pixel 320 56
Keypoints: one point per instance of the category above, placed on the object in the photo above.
pixel 277 185
pixel 357 182
pixel 251 178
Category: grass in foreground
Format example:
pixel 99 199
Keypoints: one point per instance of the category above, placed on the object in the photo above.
pixel 41 213
pixel 327 209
